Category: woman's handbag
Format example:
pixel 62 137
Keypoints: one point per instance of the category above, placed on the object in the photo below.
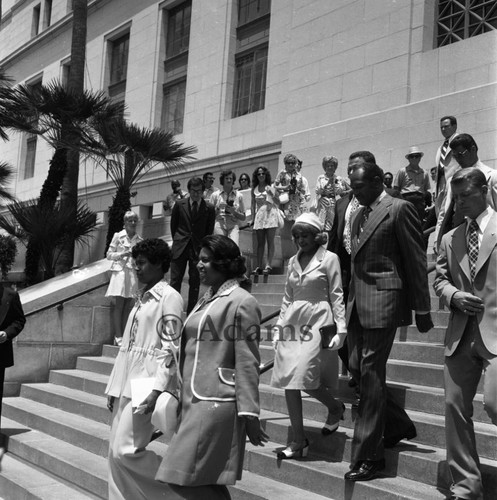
pixel 283 198
pixel 327 333
pixel 165 414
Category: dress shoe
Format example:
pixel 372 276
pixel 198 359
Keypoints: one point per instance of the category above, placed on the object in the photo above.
pixel 293 451
pixel 330 428
pixel 365 470
pixel 391 441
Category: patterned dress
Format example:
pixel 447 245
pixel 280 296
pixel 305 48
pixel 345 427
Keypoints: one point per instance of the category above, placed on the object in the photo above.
pixel 266 212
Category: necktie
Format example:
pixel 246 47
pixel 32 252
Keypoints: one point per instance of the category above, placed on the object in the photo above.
pixel 444 160
pixel 473 247
pixel 364 218
pixel 347 241
pixel 194 210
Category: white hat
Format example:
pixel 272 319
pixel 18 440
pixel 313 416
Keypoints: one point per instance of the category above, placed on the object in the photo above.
pixel 310 219
pixel 414 150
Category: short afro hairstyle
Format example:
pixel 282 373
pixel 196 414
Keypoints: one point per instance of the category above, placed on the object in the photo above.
pixel 155 250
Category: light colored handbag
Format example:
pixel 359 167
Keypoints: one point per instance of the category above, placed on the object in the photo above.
pixel 165 415
pixel 283 198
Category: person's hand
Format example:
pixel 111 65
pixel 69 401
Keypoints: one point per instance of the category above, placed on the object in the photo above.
pixel 148 404
pixel 255 433
pixel 3 337
pixel 337 341
pixel 467 303
pixel 424 322
pixel 110 403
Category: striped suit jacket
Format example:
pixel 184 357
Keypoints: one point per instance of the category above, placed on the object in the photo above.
pixel 389 277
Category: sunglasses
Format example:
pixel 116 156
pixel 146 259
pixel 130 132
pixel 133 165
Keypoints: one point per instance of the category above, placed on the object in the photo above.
pixel 415 156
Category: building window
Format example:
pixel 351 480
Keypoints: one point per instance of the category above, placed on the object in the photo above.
pixel 35 26
pixel 47 14
pixel 119 49
pixel 250 82
pixel 178 30
pixel 31 141
pixel 252 41
pixel 65 72
pixel 249 10
pixel 177 26
pixel 461 19
pixel 173 107
pixel 29 163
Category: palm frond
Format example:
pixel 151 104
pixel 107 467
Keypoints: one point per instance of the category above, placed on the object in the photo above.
pixel 6 174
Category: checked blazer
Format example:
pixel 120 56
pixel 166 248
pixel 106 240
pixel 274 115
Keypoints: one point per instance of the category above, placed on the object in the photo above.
pixel 389 277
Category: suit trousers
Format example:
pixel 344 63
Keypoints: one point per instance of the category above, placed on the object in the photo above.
pixel 178 268
pixel 462 373
pixel 378 412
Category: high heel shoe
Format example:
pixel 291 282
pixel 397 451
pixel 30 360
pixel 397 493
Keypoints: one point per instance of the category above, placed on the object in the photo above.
pixel 331 428
pixel 267 270
pixel 118 341
pixel 289 452
pixel 257 270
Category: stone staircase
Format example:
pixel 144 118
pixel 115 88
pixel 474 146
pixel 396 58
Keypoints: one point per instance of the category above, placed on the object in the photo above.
pixel 58 432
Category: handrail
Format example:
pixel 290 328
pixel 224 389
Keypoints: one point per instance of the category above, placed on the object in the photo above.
pixel 59 304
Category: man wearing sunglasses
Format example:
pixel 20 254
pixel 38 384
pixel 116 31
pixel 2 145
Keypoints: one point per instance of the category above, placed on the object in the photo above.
pixel 465 151
pixel 412 175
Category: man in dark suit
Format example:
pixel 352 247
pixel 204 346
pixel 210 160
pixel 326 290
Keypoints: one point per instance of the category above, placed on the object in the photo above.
pixel 192 218
pixel 466 282
pixel 388 281
pixel 12 321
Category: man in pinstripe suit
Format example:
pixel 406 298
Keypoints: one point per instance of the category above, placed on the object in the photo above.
pixel 388 282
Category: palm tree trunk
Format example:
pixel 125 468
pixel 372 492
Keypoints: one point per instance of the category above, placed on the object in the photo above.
pixel 121 203
pixel 69 192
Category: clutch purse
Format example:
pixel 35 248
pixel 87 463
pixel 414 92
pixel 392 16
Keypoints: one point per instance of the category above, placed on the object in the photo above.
pixel 283 198
pixel 327 333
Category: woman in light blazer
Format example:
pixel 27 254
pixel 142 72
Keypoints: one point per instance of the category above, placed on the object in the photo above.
pixel 123 284
pixel 219 368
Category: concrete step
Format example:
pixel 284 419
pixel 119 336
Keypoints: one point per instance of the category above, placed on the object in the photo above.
pixel 325 477
pixel 70 400
pixel 93 383
pixel 20 480
pixel 412 460
pixel 80 432
pixel 102 365
pixel 255 487
pixel 62 459
pixel 431 431
pixel 275 288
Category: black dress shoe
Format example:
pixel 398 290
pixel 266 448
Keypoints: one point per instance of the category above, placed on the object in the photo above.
pixel 365 470
pixel 391 441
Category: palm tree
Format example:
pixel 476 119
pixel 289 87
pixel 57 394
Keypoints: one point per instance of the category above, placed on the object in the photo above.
pixel 56 114
pixel 127 152
pixel 48 229
pixel 6 174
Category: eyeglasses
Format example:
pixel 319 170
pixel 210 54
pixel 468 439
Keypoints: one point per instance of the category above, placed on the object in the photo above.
pixel 460 153
pixel 261 173
pixel 414 156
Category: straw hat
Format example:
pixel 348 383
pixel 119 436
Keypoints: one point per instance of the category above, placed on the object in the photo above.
pixel 413 150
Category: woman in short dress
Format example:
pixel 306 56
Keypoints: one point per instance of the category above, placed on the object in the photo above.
pixel 265 212
pixel 329 188
pixel 123 283
pixel 313 299
pixel 219 368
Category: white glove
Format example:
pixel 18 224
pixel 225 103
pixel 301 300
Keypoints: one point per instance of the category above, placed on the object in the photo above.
pixel 337 341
